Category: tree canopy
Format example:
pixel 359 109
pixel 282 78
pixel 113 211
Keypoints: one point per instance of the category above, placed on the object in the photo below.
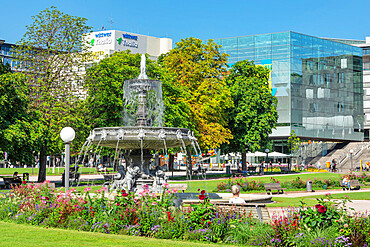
pixel 197 68
pixel 254 114
pixel 50 53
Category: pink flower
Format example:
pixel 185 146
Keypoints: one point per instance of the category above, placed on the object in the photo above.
pixel 345 225
pixel 154 203
pixel 322 209
pixel 87 189
pixel 174 191
pixel 103 189
pixel 166 185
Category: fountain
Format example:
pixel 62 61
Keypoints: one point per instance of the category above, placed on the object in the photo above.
pixel 142 133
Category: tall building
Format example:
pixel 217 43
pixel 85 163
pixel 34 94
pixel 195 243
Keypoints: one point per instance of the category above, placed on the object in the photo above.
pixel 318 83
pixel 104 43
pixel 6 54
pixel 365 45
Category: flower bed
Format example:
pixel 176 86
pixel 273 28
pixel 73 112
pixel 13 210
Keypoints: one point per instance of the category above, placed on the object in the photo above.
pixel 253 185
pixel 153 215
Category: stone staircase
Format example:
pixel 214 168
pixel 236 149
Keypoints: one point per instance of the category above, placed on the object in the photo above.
pixel 342 154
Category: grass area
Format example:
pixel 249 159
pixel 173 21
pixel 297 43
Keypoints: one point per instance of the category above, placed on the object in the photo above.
pixel 26 235
pixel 351 196
pixel 311 201
pixel 49 171
pixel 210 185
pixel 283 202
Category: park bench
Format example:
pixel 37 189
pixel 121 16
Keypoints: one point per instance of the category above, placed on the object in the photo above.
pixel 9 182
pixel 273 186
pixel 181 187
pixel 252 169
pixel 355 185
pixel 253 210
pixel 284 169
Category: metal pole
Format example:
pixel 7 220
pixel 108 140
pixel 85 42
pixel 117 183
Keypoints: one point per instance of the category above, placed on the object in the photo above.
pixel 66 171
pixel 351 163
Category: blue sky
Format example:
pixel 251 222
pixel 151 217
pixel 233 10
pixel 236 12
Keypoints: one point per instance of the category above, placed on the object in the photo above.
pixel 179 19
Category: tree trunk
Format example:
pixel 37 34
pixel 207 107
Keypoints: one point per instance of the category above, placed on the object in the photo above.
pixel 42 171
pixel 244 161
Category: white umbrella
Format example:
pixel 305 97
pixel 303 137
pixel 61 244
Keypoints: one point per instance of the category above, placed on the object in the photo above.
pixel 256 154
pixel 277 154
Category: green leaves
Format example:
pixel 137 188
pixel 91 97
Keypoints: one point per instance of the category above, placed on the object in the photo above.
pixel 197 68
pixel 254 114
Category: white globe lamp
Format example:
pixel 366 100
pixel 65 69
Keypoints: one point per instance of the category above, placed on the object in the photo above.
pixel 67 134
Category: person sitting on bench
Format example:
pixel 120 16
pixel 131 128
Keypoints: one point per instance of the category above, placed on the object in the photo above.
pixel 346 181
pixel 16 177
pixel 101 168
pixel 235 189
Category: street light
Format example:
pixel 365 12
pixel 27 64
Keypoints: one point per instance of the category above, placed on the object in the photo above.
pixel 67 134
pixel 351 152
pixel 267 158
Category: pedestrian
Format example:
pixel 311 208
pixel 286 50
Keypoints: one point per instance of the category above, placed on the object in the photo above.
pixel 318 166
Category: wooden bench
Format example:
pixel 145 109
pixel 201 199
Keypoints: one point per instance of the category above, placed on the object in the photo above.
pixel 284 169
pixel 182 187
pixel 258 211
pixel 355 185
pixel 252 169
pixel 273 186
pixel 9 182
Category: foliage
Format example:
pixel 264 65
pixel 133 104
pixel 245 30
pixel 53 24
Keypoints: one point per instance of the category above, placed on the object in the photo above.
pixel 197 67
pixel 294 142
pixel 254 113
pixel 152 215
pixel 18 128
pixel 50 53
pixel 324 214
pixel 4 68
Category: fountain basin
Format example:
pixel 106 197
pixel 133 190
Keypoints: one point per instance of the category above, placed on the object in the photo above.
pixel 143 137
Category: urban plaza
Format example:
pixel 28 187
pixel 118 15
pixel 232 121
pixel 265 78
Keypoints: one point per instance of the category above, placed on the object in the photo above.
pixel 185 123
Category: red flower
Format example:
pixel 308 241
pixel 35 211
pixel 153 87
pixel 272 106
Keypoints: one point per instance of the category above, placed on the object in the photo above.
pixel 202 192
pixel 322 209
pixel 317 205
pixel 202 197
pixel 124 194
pixel 24 182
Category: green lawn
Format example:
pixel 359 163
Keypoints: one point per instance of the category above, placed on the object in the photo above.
pixel 26 235
pixel 49 171
pixel 311 201
pixel 210 185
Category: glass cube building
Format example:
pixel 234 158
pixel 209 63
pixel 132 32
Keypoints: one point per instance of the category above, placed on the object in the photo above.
pixel 318 83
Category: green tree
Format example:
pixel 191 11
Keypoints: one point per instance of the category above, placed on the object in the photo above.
pixel 294 142
pixel 50 52
pixel 197 68
pixel 254 114
pixel 18 128
pixel 4 68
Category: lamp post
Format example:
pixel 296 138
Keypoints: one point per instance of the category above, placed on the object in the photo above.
pixel 351 152
pixel 267 158
pixel 67 134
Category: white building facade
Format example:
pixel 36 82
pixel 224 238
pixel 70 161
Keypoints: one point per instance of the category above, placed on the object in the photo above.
pixel 107 42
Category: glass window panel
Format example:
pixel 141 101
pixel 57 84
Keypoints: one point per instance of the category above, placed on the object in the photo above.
pixel 263 40
pixel 280 38
pixel 246 42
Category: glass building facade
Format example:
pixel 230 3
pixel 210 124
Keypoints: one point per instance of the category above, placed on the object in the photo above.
pixel 318 83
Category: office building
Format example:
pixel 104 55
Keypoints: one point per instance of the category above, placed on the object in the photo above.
pixel 105 43
pixel 318 83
